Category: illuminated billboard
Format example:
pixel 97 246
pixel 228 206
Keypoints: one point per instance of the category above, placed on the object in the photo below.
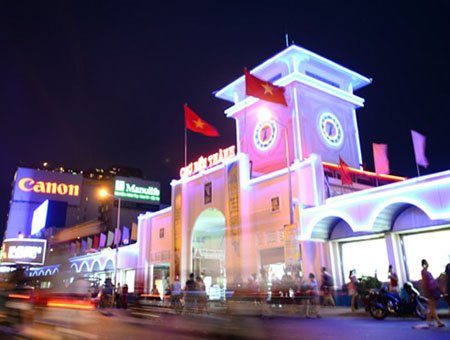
pixel 137 190
pixel 49 214
pixel 33 185
pixel 23 251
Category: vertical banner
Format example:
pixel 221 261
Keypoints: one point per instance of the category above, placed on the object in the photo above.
pixel 177 210
pixel 234 213
pixel 291 246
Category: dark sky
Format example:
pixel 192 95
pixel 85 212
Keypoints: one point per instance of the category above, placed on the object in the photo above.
pixel 94 83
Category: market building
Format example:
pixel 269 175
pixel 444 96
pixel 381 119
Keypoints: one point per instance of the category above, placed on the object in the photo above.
pixel 276 200
pixel 83 232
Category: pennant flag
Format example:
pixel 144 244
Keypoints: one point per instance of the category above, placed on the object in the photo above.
pixel 380 157
pixel 196 124
pixel 264 90
pixel 419 142
pixel 346 177
pixel 117 236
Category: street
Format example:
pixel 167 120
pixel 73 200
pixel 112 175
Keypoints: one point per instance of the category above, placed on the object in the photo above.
pixel 336 323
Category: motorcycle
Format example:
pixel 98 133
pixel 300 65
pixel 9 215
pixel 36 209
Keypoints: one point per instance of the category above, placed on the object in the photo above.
pixel 381 303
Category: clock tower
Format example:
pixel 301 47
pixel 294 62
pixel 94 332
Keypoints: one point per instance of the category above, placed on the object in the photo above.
pixel 320 117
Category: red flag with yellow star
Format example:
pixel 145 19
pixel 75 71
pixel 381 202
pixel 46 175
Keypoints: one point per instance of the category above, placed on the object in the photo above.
pixel 346 177
pixel 264 90
pixel 196 124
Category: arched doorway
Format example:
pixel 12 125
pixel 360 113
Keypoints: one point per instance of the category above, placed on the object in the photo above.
pixel 208 244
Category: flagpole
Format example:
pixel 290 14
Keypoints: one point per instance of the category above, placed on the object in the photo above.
pixel 185 145
pixel 418 170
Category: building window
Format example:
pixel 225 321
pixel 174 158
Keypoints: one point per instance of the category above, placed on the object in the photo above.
pixel 207 197
pixel 271 237
pixel 275 204
pixel 322 79
pixel 161 233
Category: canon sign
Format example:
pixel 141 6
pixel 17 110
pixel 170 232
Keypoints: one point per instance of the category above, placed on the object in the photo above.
pixel 37 186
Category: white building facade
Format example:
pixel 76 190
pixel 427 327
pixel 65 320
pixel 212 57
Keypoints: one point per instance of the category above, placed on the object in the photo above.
pixel 275 200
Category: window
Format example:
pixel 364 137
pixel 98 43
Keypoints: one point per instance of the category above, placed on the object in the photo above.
pixel 367 257
pixel 275 204
pixel 432 246
pixel 207 197
pixel 322 79
pixel 161 233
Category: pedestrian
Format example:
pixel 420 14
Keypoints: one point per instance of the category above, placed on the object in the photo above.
pixel 432 292
pixel 352 289
pixel 327 288
pixel 118 296
pixel 190 291
pixel 125 296
pixel 175 293
pixel 447 286
pixel 393 280
pixel 202 298
pixel 314 300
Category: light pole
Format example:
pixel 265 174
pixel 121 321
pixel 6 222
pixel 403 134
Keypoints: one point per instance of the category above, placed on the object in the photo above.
pixel 104 193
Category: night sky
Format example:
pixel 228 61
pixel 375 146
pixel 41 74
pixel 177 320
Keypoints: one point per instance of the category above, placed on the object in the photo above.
pixel 88 84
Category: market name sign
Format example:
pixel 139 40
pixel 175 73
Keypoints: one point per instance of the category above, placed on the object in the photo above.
pixel 26 251
pixel 134 190
pixel 28 184
pixel 203 163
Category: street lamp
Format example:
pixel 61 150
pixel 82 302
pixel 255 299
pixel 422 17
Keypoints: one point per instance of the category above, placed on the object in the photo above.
pixel 104 193
pixel 263 115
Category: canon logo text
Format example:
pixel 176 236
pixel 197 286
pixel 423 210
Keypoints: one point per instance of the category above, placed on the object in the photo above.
pixel 28 184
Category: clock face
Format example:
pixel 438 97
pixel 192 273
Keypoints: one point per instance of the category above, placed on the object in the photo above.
pixel 331 129
pixel 265 134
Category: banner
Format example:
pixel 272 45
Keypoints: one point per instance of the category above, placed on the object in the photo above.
pixel 291 245
pixel 234 217
pixel 177 225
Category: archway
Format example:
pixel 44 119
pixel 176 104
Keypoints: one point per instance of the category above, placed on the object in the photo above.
pixel 208 244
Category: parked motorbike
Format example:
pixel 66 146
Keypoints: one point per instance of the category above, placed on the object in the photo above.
pixel 381 303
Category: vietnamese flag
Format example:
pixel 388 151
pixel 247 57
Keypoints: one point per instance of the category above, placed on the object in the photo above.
pixel 346 177
pixel 264 90
pixel 196 124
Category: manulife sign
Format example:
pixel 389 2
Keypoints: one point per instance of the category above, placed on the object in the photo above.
pixel 134 189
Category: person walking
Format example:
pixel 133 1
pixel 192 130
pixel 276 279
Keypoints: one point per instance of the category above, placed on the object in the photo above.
pixel 327 288
pixel 432 292
pixel 190 292
pixel 124 296
pixel 447 286
pixel 313 307
pixel 352 289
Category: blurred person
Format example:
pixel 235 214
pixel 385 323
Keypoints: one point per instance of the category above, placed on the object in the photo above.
pixel 202 298
pixel 352 289
pixel 124 296
pixel 106 294
pixel 447 286
pixel 175 293
pixel 432 292
pixel 190 291
pixel 314 299
pixel 327 288
pixel 393 280
pixel 118 296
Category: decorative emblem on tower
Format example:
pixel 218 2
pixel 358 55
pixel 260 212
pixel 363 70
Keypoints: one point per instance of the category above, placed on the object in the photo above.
pixel 331 129
pixel 265 134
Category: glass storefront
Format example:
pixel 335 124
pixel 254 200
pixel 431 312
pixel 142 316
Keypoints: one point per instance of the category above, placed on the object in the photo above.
pixel 433 246
pixel 367 257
